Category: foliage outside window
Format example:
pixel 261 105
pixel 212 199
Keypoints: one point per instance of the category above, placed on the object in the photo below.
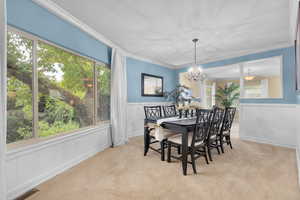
pixel 103 93
pixel 19 88
pixel 70 91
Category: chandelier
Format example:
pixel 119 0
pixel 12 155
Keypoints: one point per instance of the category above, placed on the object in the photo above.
pixel 195 72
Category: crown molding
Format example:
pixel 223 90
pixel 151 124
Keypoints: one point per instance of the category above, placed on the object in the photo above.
pixel 65 15
pixel 239 54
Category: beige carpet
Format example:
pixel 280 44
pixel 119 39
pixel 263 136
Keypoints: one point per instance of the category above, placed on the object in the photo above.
pixel 249 171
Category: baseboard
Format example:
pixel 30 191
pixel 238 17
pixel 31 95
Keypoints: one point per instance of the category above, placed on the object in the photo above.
pixel 137 133
pixel 266 141
pixel 298 164
pixel 19 190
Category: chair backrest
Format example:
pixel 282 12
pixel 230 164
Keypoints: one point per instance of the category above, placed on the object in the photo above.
pixel 203 121
pixel 169 111
pixel 228 119
pixel 152 112
pixel 218 117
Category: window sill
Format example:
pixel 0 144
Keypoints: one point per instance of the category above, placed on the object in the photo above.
pixel 39 143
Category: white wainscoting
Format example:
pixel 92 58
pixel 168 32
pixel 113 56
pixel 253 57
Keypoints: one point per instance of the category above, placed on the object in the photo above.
pixel 298 141
pixel 29 166
pixel 269 123
pixel 136 116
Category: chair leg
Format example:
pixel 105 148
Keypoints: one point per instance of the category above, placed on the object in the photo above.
pixel 206 159
pixel 209 153
pixel 178 150
pixel 146 140
pixel 193 161
pixel 162 150
pixel 217 147
pixel 221 145
pixel 228 140
pixel 169 152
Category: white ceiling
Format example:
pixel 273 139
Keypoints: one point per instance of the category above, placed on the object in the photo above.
pixel 262 68
pixel 162 30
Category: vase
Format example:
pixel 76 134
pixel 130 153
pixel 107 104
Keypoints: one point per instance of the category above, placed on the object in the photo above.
pixel 186 113
pixel 180 113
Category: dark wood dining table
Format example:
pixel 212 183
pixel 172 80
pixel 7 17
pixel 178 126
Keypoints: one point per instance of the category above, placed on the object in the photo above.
pixel 181 126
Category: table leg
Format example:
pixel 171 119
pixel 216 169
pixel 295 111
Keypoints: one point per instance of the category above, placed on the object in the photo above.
pixel 184 152
pixel 146 140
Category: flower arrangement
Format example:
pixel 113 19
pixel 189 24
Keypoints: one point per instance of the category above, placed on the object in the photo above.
pixel 195 105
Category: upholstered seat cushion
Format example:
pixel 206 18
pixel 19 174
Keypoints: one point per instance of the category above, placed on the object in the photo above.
pixel 227 133
pixel 160 134
pixel 166 133
pixel 213 137
pixel 178 139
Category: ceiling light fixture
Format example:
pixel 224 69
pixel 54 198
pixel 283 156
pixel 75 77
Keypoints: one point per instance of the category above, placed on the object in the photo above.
pixel 195 72
pixel 249 77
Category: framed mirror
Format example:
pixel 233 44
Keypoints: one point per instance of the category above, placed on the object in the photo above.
pixel 152 86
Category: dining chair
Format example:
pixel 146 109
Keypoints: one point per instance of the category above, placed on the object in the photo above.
pixel 196 139
pixel 170 111
pixel 154 113
pixel 214 131
pixel 226 127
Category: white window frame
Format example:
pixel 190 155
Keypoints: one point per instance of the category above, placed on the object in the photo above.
pixel 35 136
pixel 243 74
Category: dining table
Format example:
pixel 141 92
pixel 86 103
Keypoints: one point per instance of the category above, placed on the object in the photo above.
pixel 181 126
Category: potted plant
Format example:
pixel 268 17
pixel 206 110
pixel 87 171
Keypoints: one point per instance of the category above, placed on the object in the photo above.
pixel 227 95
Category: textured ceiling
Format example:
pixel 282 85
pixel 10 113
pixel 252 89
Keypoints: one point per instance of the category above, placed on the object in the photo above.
pixel 162 30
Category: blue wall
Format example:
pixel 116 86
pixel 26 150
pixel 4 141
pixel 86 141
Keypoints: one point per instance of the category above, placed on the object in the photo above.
pixel 298 99
pixel 134 70
pixel 289 96
pixel 30 17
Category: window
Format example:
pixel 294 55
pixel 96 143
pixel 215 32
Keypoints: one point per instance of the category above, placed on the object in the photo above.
pixel 219 78
pixel 66 91
pixel 19 88
pixel 103 93
pixel 52 91
pixel 255 79
pixel 262 78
